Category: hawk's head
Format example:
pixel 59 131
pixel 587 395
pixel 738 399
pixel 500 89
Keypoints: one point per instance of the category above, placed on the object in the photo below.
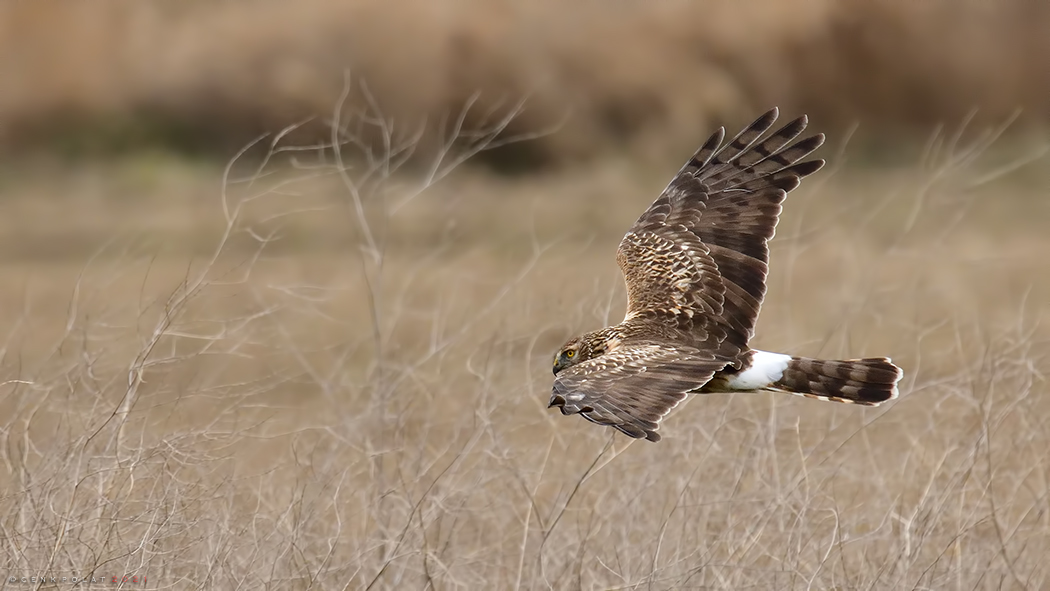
pixel 584 347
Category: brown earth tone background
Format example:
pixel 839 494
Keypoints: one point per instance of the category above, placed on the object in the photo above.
pixel 212 75
pixel 324 363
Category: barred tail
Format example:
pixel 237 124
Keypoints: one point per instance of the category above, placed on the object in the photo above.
pixel 869 381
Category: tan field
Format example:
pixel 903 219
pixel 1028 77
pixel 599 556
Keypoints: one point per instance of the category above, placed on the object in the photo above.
pixel 327 366
pixel 216 384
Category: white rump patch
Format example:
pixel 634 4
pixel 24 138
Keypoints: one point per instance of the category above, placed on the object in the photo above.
pixel 765 369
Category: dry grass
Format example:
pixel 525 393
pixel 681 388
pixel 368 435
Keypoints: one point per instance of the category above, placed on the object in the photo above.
pixel 119 73
pixel 315 382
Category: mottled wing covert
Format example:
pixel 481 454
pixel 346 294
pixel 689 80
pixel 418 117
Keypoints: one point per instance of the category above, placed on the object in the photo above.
pixel 673 284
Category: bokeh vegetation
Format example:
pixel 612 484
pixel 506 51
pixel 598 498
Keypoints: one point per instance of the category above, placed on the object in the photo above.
pixel 210 76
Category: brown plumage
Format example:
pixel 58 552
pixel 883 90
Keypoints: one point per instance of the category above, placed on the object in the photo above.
pixel 695 266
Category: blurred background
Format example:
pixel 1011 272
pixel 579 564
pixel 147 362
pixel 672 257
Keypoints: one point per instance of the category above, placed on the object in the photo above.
pixel 202 76
pixel 280 282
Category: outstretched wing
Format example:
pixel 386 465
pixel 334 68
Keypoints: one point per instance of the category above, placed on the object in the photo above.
pixel 634 387
pixel 724 203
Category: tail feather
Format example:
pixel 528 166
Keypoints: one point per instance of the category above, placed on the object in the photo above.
pixel 868 382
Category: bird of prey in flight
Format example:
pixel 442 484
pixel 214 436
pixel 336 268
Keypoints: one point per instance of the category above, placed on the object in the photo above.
pixel 695 265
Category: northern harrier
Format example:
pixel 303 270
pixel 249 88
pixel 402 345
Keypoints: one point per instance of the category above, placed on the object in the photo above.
pixel 695 266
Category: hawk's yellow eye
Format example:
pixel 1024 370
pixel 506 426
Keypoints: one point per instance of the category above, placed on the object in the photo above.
pixel 570 354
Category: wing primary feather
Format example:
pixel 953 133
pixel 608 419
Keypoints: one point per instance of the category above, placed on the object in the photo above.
pixel 772 145
pixel 769 157
pixel 746 138
pixel 706 151
pixel 786 179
